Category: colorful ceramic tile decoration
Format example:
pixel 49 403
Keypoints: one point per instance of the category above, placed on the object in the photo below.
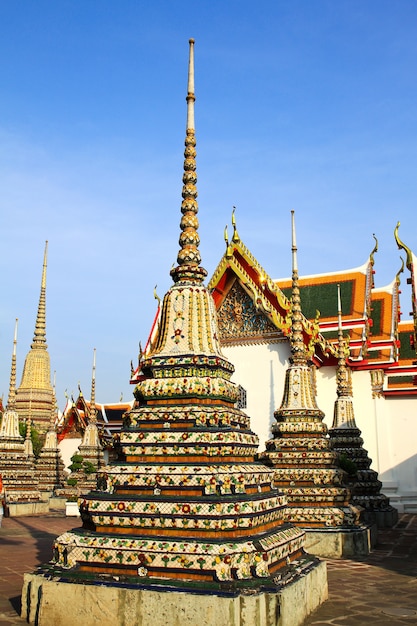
pixel 306 468
pixel 20 484
pixel 186 501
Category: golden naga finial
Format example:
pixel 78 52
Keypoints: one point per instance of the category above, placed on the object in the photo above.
pixel 189 258
pixel 400 245
pixel 226 236
pixel 314 335
pixel 375 249
pixel 235 237
pixel 397 276
pixel 155 295
pixel 229 252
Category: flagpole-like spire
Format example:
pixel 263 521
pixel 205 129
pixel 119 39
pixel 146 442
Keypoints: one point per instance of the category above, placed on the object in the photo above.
pixel 39 338
pixel 298 352
pixel 12 385
pixel 191 91
pixel 93 410
pixel 343 383
pixel 189 257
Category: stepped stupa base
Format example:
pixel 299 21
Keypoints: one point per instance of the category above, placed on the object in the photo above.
pixel 46 598
pixel 341 542
pixel 386 518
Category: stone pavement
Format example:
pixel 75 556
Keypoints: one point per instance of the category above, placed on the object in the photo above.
pixel 380 589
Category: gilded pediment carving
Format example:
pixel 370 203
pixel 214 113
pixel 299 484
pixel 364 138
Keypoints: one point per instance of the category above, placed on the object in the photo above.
pixel 238 317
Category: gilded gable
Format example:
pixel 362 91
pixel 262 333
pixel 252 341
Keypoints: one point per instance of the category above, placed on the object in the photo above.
pixel 239 319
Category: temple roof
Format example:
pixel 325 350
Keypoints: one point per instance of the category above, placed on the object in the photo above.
pixel 242 290
pixel 75 417
pixel 239 266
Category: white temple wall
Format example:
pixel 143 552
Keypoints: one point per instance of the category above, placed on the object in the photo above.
pixel 260 370
pixel 388 425
pixel 401 425
pixel 68 448
pixel 363 406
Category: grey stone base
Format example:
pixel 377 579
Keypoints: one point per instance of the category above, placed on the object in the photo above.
pixel 383 519
pixel 46 602
pixel 57 503
pixel 18 509
pixel 337 543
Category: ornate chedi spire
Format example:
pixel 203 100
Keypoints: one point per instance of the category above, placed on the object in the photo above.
pixel 20 483
pixel 343 416
pixel 189 258
pixel 187 507
pixel 306 469
pixel 346 440
pixel 90 448
pixel 93 410
pixel 9 429
pixel 35 388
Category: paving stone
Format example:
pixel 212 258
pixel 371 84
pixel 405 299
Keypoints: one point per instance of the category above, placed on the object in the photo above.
pixel 359 591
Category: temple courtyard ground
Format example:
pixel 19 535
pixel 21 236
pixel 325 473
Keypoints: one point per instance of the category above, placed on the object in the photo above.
pixel 378 589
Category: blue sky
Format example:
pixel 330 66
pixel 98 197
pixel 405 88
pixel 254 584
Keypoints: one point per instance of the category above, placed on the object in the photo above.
pixel 307 105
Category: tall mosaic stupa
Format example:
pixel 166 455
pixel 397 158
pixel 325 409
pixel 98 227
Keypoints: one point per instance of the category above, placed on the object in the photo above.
pixel 306 468
pixel 186 513
pixel 35 395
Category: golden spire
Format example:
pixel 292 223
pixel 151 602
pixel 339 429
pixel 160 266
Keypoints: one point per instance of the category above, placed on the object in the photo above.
pixel 298 352
pixel 39 338
pixel 189 258
pixel 93 410
pixel 12 386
